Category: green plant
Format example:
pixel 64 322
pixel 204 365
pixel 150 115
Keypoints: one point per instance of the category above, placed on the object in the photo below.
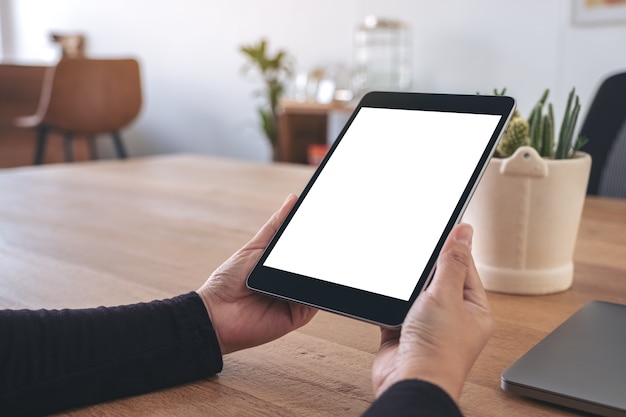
pixel 539 130
pixel 275 70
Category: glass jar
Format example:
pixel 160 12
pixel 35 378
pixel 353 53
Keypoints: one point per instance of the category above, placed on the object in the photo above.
pixel 382 56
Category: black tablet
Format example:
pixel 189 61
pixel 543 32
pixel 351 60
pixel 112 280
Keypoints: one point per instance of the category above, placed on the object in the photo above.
pixel 363 238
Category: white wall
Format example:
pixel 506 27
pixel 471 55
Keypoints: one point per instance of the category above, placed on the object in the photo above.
pixel 197 100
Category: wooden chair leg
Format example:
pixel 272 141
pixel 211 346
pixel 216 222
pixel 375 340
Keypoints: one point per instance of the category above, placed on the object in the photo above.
pixel 93 149
pixel 69 154
pixel 119 145
pixel 40 146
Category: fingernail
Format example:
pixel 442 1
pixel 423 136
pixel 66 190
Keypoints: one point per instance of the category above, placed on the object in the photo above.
pixel 464 234
pixel 289 197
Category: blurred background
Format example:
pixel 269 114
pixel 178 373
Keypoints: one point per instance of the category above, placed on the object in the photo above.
pixel 197 99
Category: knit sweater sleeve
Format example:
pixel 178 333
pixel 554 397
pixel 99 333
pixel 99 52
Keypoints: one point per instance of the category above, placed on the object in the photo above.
pixel 414 398
pixel 53 360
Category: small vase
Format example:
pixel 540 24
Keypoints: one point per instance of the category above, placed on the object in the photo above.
pixel 526 212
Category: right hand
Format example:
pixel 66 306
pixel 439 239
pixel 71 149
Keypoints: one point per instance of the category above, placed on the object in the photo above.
pixel 446 328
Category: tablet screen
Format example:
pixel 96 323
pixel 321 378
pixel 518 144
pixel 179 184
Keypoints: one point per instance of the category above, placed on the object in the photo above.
pixel 371 219
pixel 363 238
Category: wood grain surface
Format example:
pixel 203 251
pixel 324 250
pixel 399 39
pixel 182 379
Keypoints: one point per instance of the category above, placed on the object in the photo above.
pixel 117 232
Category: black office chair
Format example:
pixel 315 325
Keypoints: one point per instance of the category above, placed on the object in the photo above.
pixel 605 127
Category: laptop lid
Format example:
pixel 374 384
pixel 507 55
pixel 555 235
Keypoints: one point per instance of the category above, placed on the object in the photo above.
pixel 581 364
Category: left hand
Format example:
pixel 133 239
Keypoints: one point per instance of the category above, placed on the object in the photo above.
pixel 242 318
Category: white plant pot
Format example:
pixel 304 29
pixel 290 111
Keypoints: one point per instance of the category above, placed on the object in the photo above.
pixel 526 213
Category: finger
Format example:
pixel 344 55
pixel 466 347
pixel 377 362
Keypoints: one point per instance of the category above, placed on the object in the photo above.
pixel 388 335
pixel 473 289
pixel 454 264
pixel 300 314
pixel 265 234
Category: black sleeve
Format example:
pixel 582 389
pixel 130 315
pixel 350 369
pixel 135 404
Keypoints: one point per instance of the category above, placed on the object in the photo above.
pixel 52 360
pixel 414 398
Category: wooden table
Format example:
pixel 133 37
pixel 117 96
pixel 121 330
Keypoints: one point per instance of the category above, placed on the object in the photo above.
pixel 114 232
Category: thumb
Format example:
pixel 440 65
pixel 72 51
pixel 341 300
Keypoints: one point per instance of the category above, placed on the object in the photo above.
pixel 453 265
pixel 265 234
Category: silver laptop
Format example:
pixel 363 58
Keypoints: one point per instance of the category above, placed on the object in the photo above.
pixel 581 364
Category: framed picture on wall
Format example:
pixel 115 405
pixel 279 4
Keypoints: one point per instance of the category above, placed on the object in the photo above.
pixel 598 11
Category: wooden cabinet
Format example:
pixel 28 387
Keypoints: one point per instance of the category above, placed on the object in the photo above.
pixel 301 125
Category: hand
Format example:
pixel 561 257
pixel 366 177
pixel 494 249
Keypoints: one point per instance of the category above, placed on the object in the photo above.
pixel 446 328
pixel 242 318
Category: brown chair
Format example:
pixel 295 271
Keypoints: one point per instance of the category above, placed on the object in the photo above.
pixel 86 97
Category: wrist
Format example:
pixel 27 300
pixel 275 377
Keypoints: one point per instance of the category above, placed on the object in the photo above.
pixel 205 297
pixel 447 378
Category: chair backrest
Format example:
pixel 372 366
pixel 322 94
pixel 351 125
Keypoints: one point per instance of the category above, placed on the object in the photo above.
pixel 605 127
pixel 90 96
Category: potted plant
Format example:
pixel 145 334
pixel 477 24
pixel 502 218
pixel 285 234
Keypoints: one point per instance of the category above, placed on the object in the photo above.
pixel 526 210
pixel 275 71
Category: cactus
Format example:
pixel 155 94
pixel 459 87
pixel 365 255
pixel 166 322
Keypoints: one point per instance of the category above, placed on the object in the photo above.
pixel 538 109
pixel 539 130
pixel 547 138
pixel 565 148
pixel 516 135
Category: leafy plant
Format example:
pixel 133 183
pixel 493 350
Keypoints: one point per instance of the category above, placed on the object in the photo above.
pixel 274 70
pixel 539 131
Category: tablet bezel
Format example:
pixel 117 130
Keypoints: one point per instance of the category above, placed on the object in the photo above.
pixel 353 302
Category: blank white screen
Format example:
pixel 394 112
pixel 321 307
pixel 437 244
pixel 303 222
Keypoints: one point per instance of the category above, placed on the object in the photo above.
pixel 375 213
